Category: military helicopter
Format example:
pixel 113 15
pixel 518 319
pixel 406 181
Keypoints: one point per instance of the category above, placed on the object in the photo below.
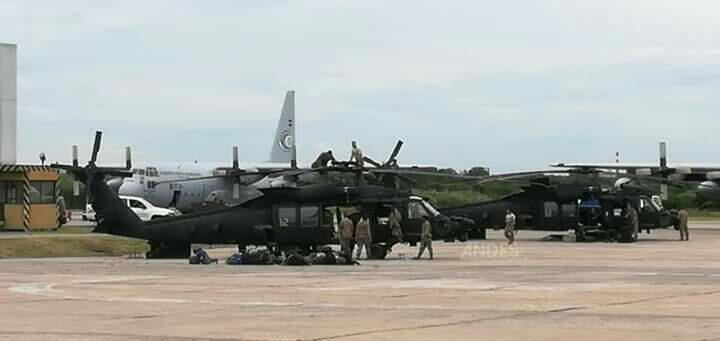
pixel 582 207
pixel 302 217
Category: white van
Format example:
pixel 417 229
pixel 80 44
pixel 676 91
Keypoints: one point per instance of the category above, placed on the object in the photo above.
pixel 144 210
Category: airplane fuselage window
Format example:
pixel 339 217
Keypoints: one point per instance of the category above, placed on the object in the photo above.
pixel 152 171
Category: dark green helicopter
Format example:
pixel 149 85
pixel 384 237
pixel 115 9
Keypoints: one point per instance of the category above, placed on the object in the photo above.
pixel 583 206
pixel 302 217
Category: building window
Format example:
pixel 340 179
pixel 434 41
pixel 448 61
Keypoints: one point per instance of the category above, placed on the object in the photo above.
pixel 13 192
pixel 35 192
pixel 47 194
pixel 310 216
pixel 42 192
pixel 3 192
pixel 287 217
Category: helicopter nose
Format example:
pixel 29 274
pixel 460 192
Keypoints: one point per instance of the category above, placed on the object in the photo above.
pixel 131 189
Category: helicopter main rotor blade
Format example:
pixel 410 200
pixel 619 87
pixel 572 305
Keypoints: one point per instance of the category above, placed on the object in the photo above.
pixel 395 152
pixel 372 162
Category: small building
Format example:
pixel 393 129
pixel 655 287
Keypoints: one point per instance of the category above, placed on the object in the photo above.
pixel 28 197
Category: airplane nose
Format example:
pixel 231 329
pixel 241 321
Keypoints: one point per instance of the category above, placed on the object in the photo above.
pixel 709 190
pixel 131 189
pixel 115 184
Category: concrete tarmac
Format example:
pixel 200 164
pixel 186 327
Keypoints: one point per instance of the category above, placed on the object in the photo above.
pixel 656 289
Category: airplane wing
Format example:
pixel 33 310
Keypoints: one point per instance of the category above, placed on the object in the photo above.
pixel 229 174
pixel 686 172
pixel 611 166
pixel 629 167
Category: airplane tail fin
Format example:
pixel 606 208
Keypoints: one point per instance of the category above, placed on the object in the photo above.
pixel 283 147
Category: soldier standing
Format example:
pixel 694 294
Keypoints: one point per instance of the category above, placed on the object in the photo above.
pixel 510 220
pixel 633 218
pixel 61 212
pixel 347 230
pixel 682 224
pixel 426 238
pixel 395 228
pixel 363 237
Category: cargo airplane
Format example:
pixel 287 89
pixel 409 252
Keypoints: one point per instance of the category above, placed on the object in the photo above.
pixel 189 186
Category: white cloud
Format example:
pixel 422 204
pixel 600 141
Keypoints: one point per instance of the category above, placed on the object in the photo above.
pixel 181 79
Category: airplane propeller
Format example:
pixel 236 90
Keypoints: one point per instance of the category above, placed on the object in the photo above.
pixel 667 175
pixel 91 170
pixel 128 158
pixel 236 168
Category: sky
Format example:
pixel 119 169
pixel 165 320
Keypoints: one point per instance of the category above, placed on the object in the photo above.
pixel 510 85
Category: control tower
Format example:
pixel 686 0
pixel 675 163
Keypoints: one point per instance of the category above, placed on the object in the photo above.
pixel 8 103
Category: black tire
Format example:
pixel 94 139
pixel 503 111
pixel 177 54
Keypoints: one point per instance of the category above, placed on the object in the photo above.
pixel 463 237
pixel 378 251
pixel 580 234
pixel 478 234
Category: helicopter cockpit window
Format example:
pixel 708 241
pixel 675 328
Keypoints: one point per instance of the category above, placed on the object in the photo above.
pixel 287 217
pixel 416 210
pixel 645 205
pixel 310 216
pixel 657 202
pixel 551 209
pixel 433 211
